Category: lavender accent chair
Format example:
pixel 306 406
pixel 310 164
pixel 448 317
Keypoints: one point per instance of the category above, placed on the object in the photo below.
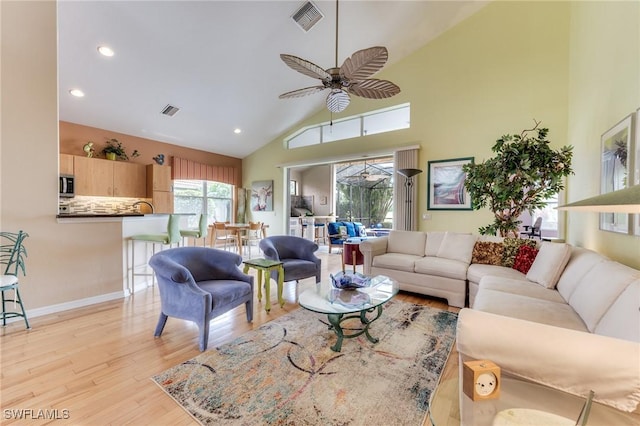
pixel 198 284
pixel 296 254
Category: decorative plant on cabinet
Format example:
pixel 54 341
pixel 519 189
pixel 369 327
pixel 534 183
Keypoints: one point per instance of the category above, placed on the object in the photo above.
pixel 114 150
pixel 524 173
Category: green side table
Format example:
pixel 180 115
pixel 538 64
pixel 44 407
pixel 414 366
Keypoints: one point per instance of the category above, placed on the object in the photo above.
pixel 267 266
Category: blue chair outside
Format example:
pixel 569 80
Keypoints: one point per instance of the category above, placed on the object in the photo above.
pixel 337 239
pixel 296 254
pixel 198 284
pixel 12 254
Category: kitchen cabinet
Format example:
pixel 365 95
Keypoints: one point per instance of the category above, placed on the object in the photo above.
pixel 129 180
pixel 160 188
pixel 93 176
pixel 107 178
pixel 159 178
pixel 66 164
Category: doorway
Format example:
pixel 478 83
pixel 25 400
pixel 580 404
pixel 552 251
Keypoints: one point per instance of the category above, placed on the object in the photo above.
pixel 364 191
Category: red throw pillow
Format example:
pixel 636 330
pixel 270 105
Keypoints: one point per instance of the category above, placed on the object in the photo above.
pixel 524 259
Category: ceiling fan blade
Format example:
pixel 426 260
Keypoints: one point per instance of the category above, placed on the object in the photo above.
pixel 373 88
pixel 338 100
pixel 364 63
pixel 305 67
pixel 374 178
pixel 302 92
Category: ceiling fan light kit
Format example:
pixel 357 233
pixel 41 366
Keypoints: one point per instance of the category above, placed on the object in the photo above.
pixel 350 78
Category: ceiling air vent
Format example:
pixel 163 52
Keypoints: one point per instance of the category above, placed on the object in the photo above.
pixel 170 110
pixel 307 16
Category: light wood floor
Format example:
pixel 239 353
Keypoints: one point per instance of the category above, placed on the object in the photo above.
pixel 96 362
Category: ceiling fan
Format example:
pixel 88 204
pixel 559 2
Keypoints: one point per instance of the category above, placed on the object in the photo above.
pixel 367 176
pixel 350 78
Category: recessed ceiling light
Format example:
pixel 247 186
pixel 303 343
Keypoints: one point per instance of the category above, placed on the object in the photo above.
pixel 237 131
pixel 106 51
pixel 77 93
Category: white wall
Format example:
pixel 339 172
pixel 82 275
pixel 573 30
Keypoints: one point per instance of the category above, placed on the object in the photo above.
pixel 65 263
pixel 317 182
pixel 604 87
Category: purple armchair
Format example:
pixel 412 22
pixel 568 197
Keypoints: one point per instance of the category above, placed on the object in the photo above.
pixel 297 255
pixel 198 284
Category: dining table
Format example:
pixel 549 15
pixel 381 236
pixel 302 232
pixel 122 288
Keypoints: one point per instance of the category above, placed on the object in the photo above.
pixel 242 228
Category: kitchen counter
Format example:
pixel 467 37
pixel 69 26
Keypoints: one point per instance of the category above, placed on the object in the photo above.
pixel 85 215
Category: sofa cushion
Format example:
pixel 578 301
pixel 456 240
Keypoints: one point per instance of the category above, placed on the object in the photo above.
pixel 351 229
pixel 442 267
pixel 521 287
pixel 457 247
pixel 580 263
pixel 599 289
pixel 524 259
pixel 490 238
pixel 528 308
pixel 434 239
pixel 396 261
pixel 511 247
pixel 333 229
pixel 408 242
pixel 487 252
pixel 477 271
pixel 622 319
pixel 549 264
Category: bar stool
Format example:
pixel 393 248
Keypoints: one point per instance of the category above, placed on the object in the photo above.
pixel 172 236
pixel 320 233
pixel 11 254
pixel 196 234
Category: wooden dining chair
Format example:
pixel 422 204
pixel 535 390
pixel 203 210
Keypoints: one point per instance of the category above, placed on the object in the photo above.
pixel 222 236
pixel 253 234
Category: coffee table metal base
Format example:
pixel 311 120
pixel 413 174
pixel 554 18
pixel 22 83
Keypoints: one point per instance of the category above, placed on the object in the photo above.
pixel 336 319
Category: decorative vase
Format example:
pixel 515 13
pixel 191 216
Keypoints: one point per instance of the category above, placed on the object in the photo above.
pixel 111 155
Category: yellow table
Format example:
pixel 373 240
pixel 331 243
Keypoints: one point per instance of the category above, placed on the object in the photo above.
pixel 267 266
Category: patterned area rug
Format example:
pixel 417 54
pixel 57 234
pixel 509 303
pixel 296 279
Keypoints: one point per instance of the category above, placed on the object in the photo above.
pixel 284 372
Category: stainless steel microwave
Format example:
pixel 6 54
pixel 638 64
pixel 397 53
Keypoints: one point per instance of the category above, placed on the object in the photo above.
pixel 67 185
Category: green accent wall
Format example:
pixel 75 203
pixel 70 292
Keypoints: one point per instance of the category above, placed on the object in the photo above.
pixel 571 65
pixel 604 88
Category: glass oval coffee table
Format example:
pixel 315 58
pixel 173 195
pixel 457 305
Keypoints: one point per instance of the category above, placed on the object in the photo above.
pixel 342 305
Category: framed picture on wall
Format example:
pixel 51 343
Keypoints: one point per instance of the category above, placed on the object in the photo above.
pixel 615 171
pixel 636 168
pixel 445 185
pixel 262 196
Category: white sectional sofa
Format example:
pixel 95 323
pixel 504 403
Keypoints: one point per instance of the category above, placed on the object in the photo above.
pixel 421 263
pixel 571 322
pixel 581 334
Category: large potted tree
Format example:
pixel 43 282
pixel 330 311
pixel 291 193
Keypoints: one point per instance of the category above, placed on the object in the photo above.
pixel 524 173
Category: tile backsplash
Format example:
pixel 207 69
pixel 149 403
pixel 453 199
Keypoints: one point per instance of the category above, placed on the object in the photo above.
pixel 99 205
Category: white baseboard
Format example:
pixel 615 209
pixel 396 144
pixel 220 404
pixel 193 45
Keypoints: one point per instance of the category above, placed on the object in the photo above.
pixel 81 303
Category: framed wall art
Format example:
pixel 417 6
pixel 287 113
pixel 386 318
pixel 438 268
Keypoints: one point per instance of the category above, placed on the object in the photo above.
pixel 445 185
pixel 636 168
pixel 615 171
pixel 262 196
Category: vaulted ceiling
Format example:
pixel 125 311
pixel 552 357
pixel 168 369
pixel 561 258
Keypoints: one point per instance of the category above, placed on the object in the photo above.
pixel 218 61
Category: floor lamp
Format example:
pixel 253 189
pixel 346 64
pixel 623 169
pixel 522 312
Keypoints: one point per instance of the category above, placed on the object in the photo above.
pixel 408 183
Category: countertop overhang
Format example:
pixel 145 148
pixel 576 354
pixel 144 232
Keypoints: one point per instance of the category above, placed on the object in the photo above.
pixel 99 217
pixel 90 215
